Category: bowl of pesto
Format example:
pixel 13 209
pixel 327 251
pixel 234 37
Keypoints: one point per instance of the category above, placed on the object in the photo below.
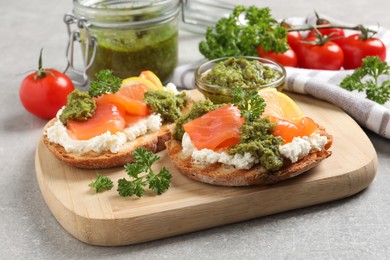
pixel 216 79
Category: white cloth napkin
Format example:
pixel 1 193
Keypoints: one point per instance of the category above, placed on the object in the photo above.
pixel 323 85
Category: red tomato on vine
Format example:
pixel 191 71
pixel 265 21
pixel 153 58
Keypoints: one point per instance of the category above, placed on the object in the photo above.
pixel 44 92
pixel 293 37
pixel 287 58
pixel 358 46
pixel 336 35
pixel 320 53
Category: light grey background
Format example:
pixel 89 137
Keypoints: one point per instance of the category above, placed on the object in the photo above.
pixel 354 228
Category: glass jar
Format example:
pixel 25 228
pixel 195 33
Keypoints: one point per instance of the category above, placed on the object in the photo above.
pixel 127 36
pixel 220 94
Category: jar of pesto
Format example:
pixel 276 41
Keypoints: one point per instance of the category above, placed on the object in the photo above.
pixel 126 36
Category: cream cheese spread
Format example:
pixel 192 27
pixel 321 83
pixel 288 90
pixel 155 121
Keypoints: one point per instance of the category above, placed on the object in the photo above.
pixel 172 88
pixel 298 148
pixel 152 123
pixel 208 156
pixel 301 146
pixel 57 133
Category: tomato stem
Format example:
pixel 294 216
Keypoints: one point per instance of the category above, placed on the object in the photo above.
pixel 364 33
pixel 320 20
pixel 41 73
pixel 320 39
pixel 355 28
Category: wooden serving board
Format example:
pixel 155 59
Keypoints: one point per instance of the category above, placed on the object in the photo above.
pixel 110 220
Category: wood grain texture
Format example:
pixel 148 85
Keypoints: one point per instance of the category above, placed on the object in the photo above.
pixel 107 219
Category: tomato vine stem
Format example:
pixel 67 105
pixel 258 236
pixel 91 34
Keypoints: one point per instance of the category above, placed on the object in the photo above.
pixel 359 27
pixel 41 73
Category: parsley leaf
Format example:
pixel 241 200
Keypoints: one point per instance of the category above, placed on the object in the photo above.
pixel 106 82
pixel 101 183
pixel 242 32
pixel 366 79
pixel 249 102
pixel 141 174
pixel 159 183
pixel 129 188
pixel 144 157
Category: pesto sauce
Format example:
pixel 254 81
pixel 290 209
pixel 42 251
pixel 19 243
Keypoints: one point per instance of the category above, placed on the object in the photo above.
pixel 80 106
pixel 257 139
pixel 128 57
pixel 240 73
pixel 167 104
pixel 198 109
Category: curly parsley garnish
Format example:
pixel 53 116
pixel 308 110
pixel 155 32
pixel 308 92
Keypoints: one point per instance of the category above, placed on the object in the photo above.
pixel 143 161
pixel 366 79
pixel 106 82
pixel 141 175
pixel 249 102
pixel 242 32
pixel 101 183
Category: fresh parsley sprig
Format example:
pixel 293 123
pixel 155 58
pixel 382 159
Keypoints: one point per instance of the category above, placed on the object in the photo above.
pixel 141 174
pixel 366 79
pixel 106 82
pixel 242 32
pixel 249 102
pixel 101 183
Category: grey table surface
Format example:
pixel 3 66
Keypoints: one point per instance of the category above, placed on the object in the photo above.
pixel 354 228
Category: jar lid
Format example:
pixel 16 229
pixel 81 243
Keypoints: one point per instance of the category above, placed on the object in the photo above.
pixel 125 13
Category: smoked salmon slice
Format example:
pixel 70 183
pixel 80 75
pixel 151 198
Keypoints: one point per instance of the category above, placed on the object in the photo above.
pixel 131 119
pixel 107 117
pixel 135 91
pixel 217 129
pixel 125 104
pixel 289 129
pixel 113 113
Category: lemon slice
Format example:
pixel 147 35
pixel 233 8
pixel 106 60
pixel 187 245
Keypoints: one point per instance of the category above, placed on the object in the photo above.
pixel 280 105
pixel 135 88
pixel 149 75
pixel 149 85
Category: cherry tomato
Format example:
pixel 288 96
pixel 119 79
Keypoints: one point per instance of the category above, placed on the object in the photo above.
pixel 288 58
pixel 314 54
pixel 356 48
pixel 335 35
pixel 293 38
pixel 44 92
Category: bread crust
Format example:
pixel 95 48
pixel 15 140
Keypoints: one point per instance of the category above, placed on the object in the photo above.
pixel 226 175
pixel 153 141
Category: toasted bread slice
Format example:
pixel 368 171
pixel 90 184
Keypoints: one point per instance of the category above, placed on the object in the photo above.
pixel 226 175
pixel 153 141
